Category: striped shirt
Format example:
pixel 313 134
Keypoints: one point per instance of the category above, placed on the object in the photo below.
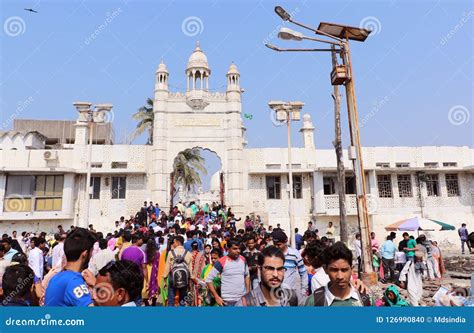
pixel 295 275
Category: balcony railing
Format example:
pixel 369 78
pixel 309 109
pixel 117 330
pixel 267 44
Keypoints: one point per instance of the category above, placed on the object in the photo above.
pixel 332 204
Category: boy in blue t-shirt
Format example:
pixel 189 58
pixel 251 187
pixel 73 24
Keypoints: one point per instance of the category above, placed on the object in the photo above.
pixel 68 287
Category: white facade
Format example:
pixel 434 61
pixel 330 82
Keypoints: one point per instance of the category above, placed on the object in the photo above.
pixel 131 174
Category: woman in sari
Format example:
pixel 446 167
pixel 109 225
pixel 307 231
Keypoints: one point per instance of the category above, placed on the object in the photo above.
pixel 197 265
pixel 392 297
pixel 438 258
pixel 151 288
pixel 207 295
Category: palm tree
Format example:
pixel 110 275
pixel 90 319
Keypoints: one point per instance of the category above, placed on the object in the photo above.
pixel 145 117
pixel 186 168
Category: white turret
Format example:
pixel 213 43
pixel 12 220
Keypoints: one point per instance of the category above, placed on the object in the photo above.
pixel 308 131
pixel 161 77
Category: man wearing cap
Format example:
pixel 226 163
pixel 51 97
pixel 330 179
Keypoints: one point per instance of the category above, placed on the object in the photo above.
pixel 293 263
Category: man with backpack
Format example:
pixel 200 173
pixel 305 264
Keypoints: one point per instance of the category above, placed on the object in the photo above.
pixel 177 267
pixel 235 277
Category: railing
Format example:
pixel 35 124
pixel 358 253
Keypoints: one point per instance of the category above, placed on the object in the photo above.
pixel 332 204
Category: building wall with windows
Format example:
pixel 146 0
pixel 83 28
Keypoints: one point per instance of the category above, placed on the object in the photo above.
pixel 38 191
pixel 41 188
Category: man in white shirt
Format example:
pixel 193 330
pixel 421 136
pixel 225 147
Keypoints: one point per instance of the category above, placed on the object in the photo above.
pixel 313 253
pixel 58 249
pixel 35 258
pixel 296 276
pixel 358 250
pixel 339 291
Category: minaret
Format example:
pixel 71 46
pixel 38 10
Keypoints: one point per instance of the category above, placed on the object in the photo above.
pixel 233 83
pixel 161 74
pixel 308 131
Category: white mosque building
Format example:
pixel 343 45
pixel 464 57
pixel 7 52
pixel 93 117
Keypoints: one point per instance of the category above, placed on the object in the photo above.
pixel 43 174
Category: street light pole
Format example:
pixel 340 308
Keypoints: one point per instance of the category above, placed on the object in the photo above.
pixel 358 162
pixel 342 75
pixel 341 179
pixel 288 112
pixel 89 169
pixel 88 116
pixel 290 180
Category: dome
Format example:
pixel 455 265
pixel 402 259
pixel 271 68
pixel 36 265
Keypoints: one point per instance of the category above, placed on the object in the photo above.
pixel 233 69
pixel 162 68
pixel 306 117
pixel 197 59
pixel 215 182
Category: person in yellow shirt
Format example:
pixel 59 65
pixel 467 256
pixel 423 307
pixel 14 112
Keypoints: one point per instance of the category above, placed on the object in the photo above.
pixel 127 237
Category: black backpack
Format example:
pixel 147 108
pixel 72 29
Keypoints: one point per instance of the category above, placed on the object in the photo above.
pixel 179 271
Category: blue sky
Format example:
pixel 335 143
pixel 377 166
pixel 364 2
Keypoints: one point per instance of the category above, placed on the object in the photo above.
pixel 413 76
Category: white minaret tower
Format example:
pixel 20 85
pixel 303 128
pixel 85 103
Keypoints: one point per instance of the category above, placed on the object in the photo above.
pixel 162 75
pixel 308 131
pixel 233 79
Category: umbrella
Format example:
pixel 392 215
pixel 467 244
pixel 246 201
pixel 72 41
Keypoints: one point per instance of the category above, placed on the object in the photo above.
pixel 444 226
pixel 419 223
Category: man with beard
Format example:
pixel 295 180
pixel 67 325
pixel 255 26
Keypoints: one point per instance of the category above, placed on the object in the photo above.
pixel 68 288
pixel 269 292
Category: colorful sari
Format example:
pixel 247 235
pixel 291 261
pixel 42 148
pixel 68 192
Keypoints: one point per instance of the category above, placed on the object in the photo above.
pixel 150 288
pixel 161 281
pixel 208 299
pixel 439 260
pixel 197 264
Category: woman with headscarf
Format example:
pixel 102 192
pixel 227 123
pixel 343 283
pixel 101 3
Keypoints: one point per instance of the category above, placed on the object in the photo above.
pixel 208 298
pixel 150 287
pixel 438 258
pixel 198 261
pixel 392 297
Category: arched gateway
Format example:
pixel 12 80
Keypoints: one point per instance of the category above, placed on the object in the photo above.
pixel 198 118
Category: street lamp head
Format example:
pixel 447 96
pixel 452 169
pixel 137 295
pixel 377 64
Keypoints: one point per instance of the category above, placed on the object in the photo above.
pixel 288 34
pixel 104 107
pixel 101 112
pixel 82 106
pixel 297 104
pixel 285 16
pixel 272 47
pixel 276 104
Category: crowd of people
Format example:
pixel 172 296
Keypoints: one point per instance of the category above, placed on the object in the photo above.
pixel 196 256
